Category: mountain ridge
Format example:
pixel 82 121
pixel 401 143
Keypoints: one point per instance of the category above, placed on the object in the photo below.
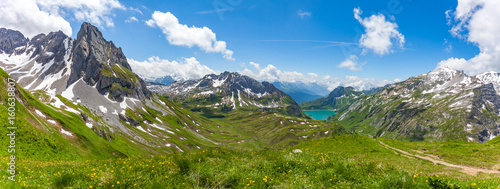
pixel 229 89
pixel 444 104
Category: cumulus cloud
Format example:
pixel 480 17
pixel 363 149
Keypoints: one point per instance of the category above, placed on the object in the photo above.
pixel 183 35
pixel 353 81
pixel 303 14
pixel 312 75
pixel 32 17
pixel 351 63
pixel 131 19
pixel 154 67
pixel 380 33
pixel 271 74
pixel 477 22
pixel 257 66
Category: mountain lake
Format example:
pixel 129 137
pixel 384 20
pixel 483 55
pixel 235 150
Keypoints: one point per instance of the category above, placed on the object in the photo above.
pixel 320 114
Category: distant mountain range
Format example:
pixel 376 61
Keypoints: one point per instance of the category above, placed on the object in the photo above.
pixel 165 80
pixel 302 92
pixel 338 99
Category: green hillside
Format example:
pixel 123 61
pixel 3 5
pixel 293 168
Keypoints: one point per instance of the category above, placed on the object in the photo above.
pixel 347 161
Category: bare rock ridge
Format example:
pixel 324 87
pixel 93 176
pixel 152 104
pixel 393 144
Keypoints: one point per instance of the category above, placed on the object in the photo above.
pixel 10 40
pixel 97 61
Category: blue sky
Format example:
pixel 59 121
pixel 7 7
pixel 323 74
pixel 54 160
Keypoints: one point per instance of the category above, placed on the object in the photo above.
pixel 293 39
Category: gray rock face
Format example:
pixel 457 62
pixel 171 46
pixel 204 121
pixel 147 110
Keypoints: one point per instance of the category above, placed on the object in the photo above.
pixel 10 40
pixel 92 54
pixel 90 57
pixel 91 51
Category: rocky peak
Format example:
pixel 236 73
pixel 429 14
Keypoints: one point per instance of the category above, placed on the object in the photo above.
pixel 100 63
pixel 443 74
pixel 10 40
pixel 489 77
pixel 49 47
pixel 91 51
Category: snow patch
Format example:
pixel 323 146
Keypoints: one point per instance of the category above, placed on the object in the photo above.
pixel 68 93
pixel 103 109
pixel 89 125
pixel 66 132
pixel 470 139
pixel 218 83
pixel 40 113
pixel 158 119
pixel 179 148
pixel 162 103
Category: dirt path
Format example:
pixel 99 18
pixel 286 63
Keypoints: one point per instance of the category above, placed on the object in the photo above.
pixel 464 169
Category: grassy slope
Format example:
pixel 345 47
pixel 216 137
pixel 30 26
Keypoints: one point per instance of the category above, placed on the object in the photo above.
pixel 473 154
pixel 47 159
pixel 373 109
pixel 348 161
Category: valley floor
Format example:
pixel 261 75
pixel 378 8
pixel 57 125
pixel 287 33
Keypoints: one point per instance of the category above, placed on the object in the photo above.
pixel 347 161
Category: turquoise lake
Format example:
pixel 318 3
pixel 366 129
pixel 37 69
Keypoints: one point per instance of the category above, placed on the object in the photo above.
pixel 320 114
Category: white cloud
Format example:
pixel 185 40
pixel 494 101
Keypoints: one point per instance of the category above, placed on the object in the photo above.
pixel 131 19
pixel 352 81
pixel 380 34
pixel 26 16
pixel 255 65
pixel 187 68
pixel 271 74
pixel 477 22
pixel 312 75
pixel 183 35
pixel 351 63
pixel 135 10
pixel 32 17
pixel 303 14
pixel 97 12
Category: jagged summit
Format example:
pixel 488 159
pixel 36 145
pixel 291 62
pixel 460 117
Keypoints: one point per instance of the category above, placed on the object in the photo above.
pixel 10 40
pixel 99 62
pixel 54 62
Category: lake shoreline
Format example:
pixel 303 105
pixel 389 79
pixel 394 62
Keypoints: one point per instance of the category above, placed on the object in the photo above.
pixel 320 114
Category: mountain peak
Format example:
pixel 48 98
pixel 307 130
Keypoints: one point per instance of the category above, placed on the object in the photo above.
pixel 88 30
pixel 101 63
pixel 11 39
pixel 229 89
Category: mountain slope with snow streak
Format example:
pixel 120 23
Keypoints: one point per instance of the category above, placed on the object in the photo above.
pixel 231 90
pixel 444 104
